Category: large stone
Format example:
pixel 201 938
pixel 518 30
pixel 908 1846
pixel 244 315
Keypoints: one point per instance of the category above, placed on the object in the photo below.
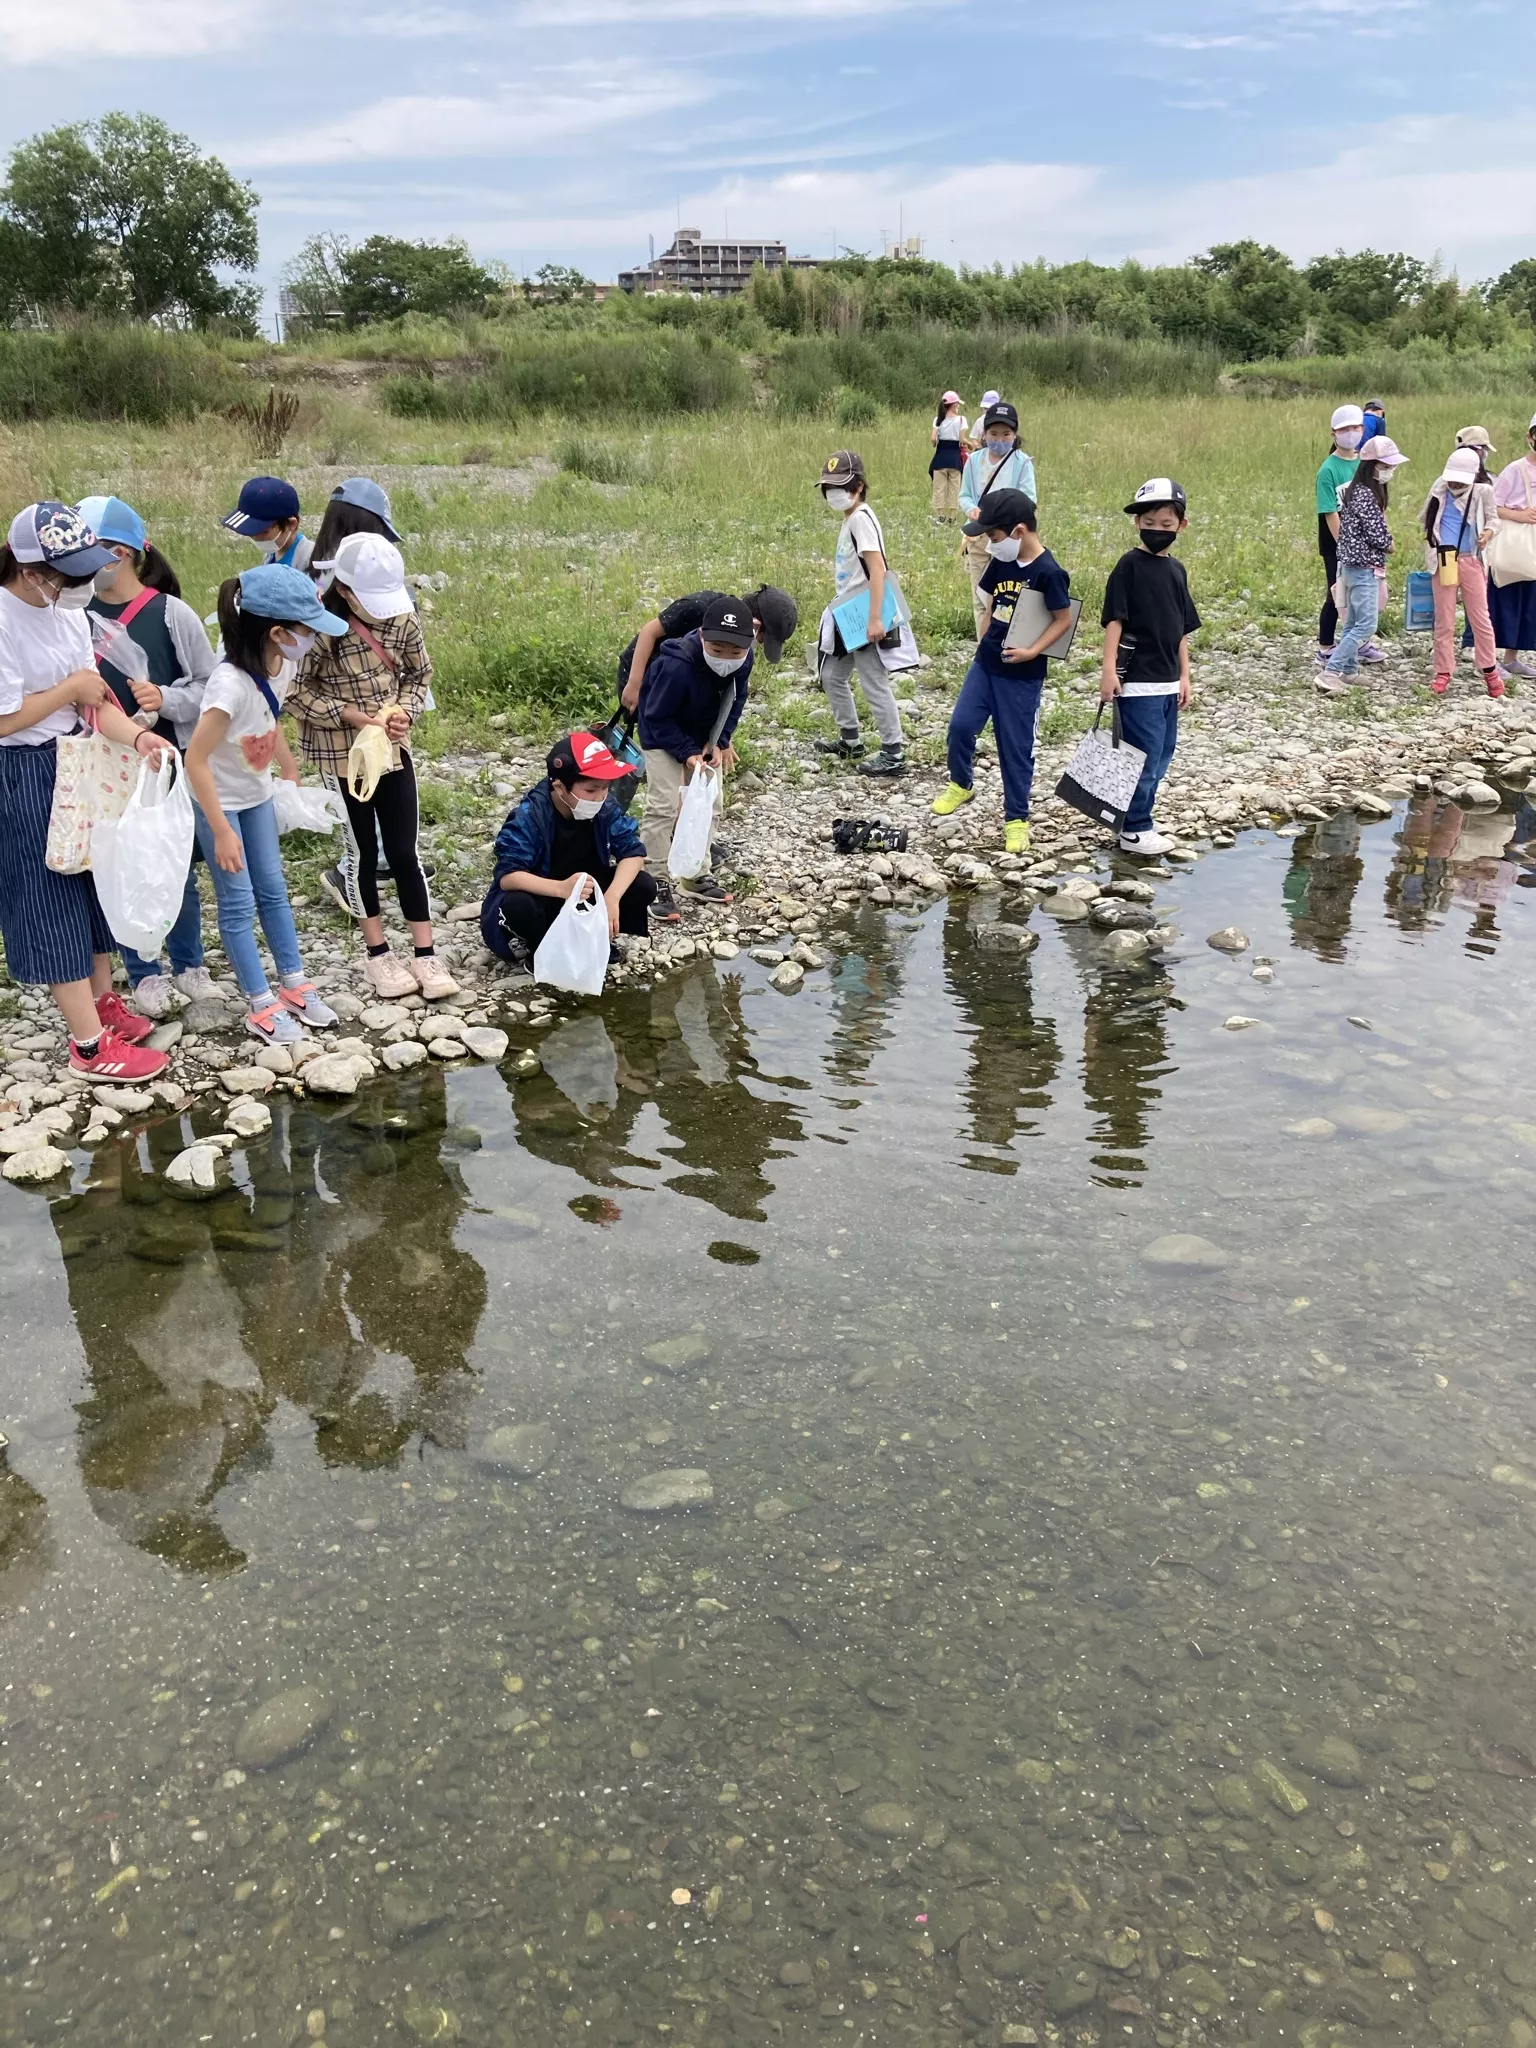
pixel 405 1052
pixel 277 1059
pixel 1229 940
pixel 1182 1249
pixel 486 1042
pixel 200 1170
pixel 521 1449
pixel 676 1354
pixel 442 1024
pixel 281 1727
pixel 1285 1797
pixel 1332 1758
pixel 382 1016
pixel 335 1073
pixel 1124 949
pixel 1111 914
pixel 1475 794
pixel 787 976
pixel 1069 909
pixel 1366 1121
pixel 246 1080
pixel 1001 937
pixel 657 1492
pixel 248 1118
pixel 442 1048
pixel 885 1817
pixel 27 1137
pixel 132 1101
pixel 42 1162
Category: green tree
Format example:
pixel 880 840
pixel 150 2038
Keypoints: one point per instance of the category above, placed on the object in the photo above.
pixel 1261 304
pixel 383 278
pixel 1356 294
pixel 1516 289
pixel 313 281
pixel 124 217
pixel 560 282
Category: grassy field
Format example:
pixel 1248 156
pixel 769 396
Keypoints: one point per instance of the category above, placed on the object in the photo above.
pixel 552 570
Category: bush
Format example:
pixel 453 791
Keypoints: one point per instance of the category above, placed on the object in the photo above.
pixel 648 375
pixel 858 409
pixel 1423 369
pixel 114 373
pixel 601 462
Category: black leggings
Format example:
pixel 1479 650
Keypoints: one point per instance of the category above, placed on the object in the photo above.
pixel 393 807
pixel 528 917
pixel 1328 618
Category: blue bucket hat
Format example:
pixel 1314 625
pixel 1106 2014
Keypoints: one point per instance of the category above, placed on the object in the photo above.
pixel 368 496
pixel 286 596
pixel 113 521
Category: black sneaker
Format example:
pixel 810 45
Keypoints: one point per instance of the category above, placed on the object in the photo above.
pixel 708 890
pixel 889 761
pixel 723 854
pixel 332 883
pixel 664 909
pixel 843 748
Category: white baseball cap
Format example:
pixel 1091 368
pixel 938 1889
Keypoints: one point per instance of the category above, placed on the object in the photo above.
pixel 1383 449
pixel 1461 466
pixel 1347 416
pixel 989 398
pixel 371 568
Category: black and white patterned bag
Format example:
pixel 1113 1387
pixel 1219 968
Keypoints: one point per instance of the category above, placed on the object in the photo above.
pixel 1101 777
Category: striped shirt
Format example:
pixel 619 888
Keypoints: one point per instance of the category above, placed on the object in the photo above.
pixel 346 671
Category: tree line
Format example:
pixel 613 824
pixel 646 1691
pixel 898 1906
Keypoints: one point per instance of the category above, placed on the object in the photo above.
pixel 124 219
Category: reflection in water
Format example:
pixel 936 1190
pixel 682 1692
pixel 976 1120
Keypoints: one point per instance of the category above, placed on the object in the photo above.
pixel 1014 1057
pixel 1077 1648
pixel 1319 890
pixel 1447 855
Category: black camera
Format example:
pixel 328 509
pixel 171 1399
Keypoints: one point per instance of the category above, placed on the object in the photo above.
pixel 868 835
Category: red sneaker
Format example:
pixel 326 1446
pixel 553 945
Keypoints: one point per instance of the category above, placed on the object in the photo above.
pixel 122 1022
pixel 1494 682
pixel 116 1060
pixel 1440 685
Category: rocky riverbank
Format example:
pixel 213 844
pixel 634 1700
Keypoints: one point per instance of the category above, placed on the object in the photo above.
pixel 1260 748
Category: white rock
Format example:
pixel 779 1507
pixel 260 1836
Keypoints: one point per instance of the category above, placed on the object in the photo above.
pixel 1229 940
pixel 380 1016
pixel 1183 1249
pixel 486 1042
pixel 133 1100
pixel 1239 1023
pixel 27 1137
pixel 405 1052
pixel 406 1028
pixel 248 1118
pixel 787 976
pixel 464 913
pixel 335 1073
pixel 725 949
pixel 246 1080
pixel 1477 793
pixel 348 1008
pixel 42 1162
pixel 447 1048
pixel 277 1059
pixel 198 1167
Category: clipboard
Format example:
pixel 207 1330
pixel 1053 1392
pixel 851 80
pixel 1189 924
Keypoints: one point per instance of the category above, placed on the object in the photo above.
pixel 1032 617
pixel 851 615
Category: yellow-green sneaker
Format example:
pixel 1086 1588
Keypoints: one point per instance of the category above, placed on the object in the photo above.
pixel 1016 836
pixel 949 800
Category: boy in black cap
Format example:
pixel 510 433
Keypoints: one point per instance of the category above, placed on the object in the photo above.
pixel 775 616
pixel 858 561
pixel 695 692
pixel 565 828
pixel 1004 683
pixel 1148 618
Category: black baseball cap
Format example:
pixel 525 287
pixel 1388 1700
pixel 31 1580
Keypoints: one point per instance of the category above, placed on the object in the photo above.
pixel 1001 415
pixel 1007 509
pixel 842 467
pixel 727 619
pixel 778 615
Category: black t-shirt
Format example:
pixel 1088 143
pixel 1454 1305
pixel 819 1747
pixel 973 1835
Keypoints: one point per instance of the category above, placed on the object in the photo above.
pixel 149 629
pixel 1004 581
pixel 574 851
pixel 1149 596
pixel 682 615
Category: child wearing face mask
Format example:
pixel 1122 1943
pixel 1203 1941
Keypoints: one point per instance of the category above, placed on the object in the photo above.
pixel 1365 542
pixel 858 561
pixel 267 512
pixel 694 693
pixel 1148 618
pixel 55 934
pixel 268 619
pixel 1460 516
pixel 141 594
pixel 375 672
pixel 999 464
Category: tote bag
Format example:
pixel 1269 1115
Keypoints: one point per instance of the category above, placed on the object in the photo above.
pixel 1511 554
pixel 94 780
pixel 1419 602
pixel 1102 775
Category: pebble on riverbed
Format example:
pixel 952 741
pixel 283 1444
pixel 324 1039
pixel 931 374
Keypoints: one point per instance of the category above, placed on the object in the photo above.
pixel 658 1492
pixel 282 1726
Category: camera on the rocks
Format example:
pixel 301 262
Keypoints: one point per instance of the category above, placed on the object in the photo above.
pixel 868 835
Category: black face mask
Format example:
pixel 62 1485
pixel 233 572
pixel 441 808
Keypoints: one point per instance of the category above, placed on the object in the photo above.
pixel 1158 537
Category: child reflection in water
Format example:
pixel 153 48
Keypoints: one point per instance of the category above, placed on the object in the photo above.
pixel 1447 855
pixel 1319 889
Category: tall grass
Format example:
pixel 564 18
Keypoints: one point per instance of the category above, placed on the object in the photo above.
pixel 114 373
pixel 645 376
pixel 1413 372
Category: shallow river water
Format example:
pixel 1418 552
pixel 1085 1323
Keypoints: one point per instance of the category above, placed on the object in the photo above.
pixel 1076 1648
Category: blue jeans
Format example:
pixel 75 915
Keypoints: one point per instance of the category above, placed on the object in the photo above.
pixel 258 890
pixel 184 942
pixel 1151 723
pixel 1014 709
pixel 1361 591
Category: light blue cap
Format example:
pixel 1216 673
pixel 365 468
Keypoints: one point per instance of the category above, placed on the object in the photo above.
pixel 110 519
pixel 286 595
pixel 363 492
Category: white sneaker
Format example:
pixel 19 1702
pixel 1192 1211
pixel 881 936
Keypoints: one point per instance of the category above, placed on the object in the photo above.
pixel 197 985
pixel 1148 843
pixel 154 996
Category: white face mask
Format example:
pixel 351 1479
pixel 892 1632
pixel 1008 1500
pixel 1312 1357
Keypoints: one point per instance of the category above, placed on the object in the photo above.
pixel 840 501
pixel 1004 550
pixel 722 664
pixel 298 646
pixel 585 807
pixel 75 598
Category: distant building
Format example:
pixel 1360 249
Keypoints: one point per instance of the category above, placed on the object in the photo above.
pixel 709 270
pixel 294 320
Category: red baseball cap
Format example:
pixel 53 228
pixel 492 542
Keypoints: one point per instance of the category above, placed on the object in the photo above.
pixel 583 754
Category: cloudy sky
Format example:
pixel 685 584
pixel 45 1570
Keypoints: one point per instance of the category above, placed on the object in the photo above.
pixel 571 130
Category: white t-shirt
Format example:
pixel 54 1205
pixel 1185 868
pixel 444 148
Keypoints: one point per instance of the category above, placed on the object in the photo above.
pixel 955 428
pixel 242 761
pixel 859 535
pixel 39 646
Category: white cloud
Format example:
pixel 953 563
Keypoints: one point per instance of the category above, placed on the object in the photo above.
pixel 639 13
pixel 123 28
pixel 523 118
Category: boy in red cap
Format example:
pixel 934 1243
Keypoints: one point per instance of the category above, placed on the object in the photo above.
pixel 567 828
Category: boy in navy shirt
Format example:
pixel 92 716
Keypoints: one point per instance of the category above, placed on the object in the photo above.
pixel 1003 683
pixel 1148 618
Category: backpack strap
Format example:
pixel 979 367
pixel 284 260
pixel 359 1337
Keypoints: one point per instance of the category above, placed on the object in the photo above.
pixel 371 639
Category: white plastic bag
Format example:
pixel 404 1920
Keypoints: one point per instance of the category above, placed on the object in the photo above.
pixel 573 953
pixel 301 809
pixel 689 857
pixel 141 859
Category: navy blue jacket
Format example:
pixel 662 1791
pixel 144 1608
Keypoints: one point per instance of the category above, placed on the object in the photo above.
pixel 526 841
pixel 680 699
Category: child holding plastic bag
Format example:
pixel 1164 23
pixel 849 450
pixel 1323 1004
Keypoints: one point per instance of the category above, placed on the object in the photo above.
pixel 268 618
pixel 371 677
pixel 566 830
pixel 163 661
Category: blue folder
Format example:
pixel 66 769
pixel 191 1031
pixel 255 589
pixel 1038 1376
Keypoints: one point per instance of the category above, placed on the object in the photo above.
pixel 852 615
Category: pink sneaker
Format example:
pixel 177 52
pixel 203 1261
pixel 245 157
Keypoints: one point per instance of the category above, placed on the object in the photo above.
pixel 116 1060
pixel 122 1022
pixel 1494 682
pixel 388 977
pixel 433 978
pixel 1440 685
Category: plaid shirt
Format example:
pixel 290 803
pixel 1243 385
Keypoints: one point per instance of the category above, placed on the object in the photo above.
pixel 344 670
